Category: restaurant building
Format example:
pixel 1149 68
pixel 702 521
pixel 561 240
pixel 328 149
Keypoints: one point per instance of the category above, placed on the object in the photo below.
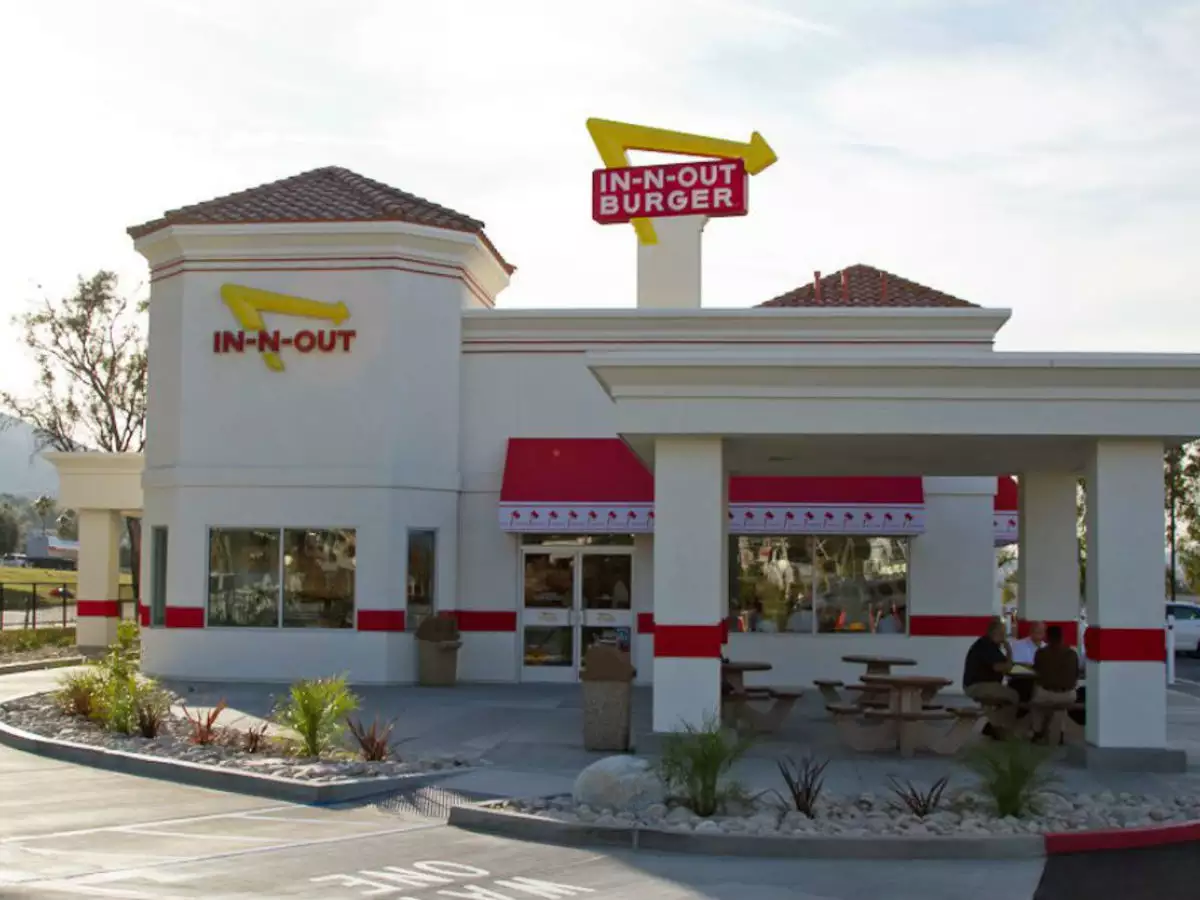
pixel 345 435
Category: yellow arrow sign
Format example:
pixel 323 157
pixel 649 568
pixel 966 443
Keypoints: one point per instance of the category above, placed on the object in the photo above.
pixel 248 304
pixel 614 139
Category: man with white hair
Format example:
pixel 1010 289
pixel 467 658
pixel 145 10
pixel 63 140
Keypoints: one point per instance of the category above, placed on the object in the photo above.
pixel 1023 651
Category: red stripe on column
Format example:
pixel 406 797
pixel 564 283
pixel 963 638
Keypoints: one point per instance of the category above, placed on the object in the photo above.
pixel 483 619
pixel 184 617
pixel 689 641
pixel 948 626
pixel 645 623
pixel 381 620
pixel 100 609
pixel 1125 644
pixel 144 615
pixel 1070 629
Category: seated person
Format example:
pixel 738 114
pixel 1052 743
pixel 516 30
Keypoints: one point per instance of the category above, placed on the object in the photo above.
pixel 801 619
pixel 1022 652
pixel 893 622
pixel 983 676
pixel 1056 675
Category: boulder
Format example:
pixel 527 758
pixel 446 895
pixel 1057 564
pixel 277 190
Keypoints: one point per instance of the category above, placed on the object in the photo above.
pixel 623 783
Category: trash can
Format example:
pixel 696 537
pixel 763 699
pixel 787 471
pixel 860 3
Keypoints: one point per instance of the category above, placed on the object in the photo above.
pixel 607 698
pixel 438 643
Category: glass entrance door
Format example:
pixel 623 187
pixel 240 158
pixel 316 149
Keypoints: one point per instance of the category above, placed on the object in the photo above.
pixel 572 598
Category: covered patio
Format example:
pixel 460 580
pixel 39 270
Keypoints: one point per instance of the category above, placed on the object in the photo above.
pixel 960 420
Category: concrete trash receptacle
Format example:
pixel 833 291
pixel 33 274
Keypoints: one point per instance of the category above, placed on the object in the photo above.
pixel 607 698
pixel 438 643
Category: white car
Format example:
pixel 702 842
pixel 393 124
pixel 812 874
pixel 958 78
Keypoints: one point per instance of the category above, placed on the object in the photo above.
pixel 1187 626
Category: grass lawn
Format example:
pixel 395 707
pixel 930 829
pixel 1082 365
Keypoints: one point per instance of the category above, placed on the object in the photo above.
pixel 29 639
pixel 18 584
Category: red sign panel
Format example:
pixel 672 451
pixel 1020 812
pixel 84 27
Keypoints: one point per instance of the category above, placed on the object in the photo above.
pixel 711 187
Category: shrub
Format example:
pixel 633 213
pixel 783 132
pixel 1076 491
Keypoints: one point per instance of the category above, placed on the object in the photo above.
pixel 920 803
pixel 374 743
pixel 805 780
pixel 79 692
pixel 204 727
pixel 129 638
pixel 255 737
pixel 1010 773
pixel 116 708
pixel 695 760
pixel 151 707
pixel 315 710
pixel 25 639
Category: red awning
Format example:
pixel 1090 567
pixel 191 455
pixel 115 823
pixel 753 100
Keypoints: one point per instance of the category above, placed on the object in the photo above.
pixel 1005 519
pixel 598 484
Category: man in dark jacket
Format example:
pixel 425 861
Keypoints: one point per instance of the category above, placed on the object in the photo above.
pixel 983 677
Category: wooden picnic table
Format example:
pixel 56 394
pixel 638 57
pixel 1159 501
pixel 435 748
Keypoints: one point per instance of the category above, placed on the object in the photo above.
pixel 733 673
pixel 878 665
pixel 736 698
pixel 906 711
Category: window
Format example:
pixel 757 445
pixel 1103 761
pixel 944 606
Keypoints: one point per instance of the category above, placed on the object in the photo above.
pixel 1181 612
pixel 577 540
pixel 260 578
pixel 808 584
pixel 422 566
pixel 158 575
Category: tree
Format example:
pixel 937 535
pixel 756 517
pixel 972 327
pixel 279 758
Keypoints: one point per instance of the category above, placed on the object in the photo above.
pixel 1181 483
pixel 90 392
pixel 66 526
pixel 44 507
pixel 10 529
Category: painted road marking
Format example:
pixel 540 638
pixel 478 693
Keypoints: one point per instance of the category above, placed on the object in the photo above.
pixel 54 835
pixel 445 879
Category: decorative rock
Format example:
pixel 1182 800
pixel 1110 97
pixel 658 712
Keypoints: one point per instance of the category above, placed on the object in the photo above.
pixel 708 826
pixel 626 783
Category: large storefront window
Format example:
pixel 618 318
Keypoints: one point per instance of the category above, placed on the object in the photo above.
pixel 819 585
pixel 422 560
pixel 260 577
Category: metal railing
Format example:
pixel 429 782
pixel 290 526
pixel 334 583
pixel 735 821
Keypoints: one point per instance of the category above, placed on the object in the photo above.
pixel 49 604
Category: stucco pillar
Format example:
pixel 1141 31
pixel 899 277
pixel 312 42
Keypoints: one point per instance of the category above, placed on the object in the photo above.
pixel 668 272
pixel 98 605
pixel 1048 573
pixel 690 565
pixel 1126 643
pixel 952 564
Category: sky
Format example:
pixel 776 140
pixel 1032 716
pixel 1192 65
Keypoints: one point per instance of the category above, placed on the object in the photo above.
pixel 1038 156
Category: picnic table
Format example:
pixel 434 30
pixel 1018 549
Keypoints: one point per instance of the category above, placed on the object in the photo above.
pixel 736 698
pixel 907 716
pixel 878 665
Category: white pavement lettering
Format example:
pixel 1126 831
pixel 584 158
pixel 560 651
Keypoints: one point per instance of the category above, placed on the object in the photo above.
pixel 429 874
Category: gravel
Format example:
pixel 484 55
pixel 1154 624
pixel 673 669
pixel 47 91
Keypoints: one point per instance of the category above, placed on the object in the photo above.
pixel 39 715
pixel 866 815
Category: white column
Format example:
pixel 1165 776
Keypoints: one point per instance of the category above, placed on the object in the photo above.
pixel 952 564
pixel 1126 691
pixel 690 565
pixel 98 587
pixel 1048 573
pixel 668 272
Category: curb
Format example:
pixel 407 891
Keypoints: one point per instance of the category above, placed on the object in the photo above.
pixel 271 787
pixel 35 665
pixel 488 819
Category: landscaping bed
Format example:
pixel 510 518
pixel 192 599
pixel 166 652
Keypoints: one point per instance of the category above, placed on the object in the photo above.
pixel 33 644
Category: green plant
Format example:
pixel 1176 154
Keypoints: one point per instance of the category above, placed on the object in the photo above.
pixel 374 743
pixel 79 692
pixel 151 707
pixel 129 638
pixel 805 780
pixel 920 803
pixel 204 726
pixel 116 709
pixel 255 737
pixel 696 759
pixel 315 710
pixel 26 639
pixel 1011 772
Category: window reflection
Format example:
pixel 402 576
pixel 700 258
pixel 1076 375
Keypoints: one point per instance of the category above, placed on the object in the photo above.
pixel 422 559
pixel 549 580
pixel 318 576
pixel 243 577
pixel 606 581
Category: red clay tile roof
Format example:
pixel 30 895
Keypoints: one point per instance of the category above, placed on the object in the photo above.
pixel 329 194
pixel 865 286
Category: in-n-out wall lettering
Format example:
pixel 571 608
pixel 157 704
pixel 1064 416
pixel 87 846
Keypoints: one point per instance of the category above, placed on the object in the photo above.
pixel 248 305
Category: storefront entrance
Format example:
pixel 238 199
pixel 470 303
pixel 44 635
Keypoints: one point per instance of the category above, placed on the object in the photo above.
pixel 573 597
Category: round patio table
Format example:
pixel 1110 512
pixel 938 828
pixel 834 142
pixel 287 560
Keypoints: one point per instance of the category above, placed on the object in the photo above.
pixel 878 665
pixel 909 693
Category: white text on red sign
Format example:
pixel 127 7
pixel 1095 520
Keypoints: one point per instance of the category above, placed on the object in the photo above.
pixel 708 187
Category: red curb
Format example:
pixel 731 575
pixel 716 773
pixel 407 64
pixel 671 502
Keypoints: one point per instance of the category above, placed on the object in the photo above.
pixel 1121 838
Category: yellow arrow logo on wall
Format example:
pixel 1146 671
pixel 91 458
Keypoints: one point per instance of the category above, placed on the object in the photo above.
pixel 614 139
pixel 248 304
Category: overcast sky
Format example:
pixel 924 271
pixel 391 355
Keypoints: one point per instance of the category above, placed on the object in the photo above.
pixel 1042 156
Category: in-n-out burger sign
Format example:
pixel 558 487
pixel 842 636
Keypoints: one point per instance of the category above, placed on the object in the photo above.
pixel 710 188
pixel 248 305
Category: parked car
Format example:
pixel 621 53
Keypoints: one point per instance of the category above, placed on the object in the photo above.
pixel 1187 626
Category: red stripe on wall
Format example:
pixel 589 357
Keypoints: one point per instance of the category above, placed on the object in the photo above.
pixel 1070 629
pixel 689 641
pixel 100 609
pixel 645 623
pixel 144 615
pixel 381 620
pixel 1125 644
pixel 184 617
pixel 948 626
pixel 483 619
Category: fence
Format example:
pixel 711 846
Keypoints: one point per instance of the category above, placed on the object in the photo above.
pixel 49 604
